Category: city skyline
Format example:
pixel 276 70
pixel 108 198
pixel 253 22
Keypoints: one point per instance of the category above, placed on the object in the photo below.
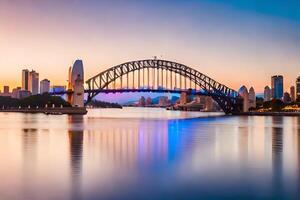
pixel 253 40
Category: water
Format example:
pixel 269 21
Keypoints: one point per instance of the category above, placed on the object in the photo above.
pixel 148 154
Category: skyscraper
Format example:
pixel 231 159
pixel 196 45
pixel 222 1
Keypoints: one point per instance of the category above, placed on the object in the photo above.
pixel 292 93
pixel 34 82
pixel 44 86
pixel 298 87
pixel 277 86
pixel 25 79
pixel 267 93
pixel 243 92
pixel 252 98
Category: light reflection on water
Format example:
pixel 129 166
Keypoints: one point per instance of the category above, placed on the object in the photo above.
pixel 98 157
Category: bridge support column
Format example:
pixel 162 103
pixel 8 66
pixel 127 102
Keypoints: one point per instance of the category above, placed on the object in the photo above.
pixel 76 85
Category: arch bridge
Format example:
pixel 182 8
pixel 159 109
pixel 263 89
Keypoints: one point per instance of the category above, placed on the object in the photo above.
pixel 154 75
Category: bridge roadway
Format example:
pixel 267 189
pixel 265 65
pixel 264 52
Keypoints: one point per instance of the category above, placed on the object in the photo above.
pixel 175 91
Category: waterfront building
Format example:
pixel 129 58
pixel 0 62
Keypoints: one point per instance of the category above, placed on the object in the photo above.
pixel 24 94
pixel 25 79
pixel 16 93
pixel 298 88
pixel 142 101
pixel 209 103
pixel 148 101
pixel 34 82
pixel 267 94
pixel 243 92
pixel 184 98
pixel 286 97
pixel 252 98
pixel 277 86
pixel 292 93
pixel 164 101
pixel 44 86
pixel 200 99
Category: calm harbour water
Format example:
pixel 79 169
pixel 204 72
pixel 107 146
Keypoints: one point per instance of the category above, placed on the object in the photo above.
pixel 148 154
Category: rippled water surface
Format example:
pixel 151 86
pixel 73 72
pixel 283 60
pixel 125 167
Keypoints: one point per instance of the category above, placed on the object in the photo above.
pixel 150 154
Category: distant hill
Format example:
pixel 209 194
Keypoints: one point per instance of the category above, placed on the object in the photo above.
pixel 103 104
pixel 155 100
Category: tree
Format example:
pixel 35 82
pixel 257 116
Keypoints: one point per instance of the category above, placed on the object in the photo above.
pixel 259 102
pixel 277 105
pixel 40 100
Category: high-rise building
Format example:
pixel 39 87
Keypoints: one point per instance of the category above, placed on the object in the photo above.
pixel 243 92
pixel 25 79
pixel 6 89
pixel 44 86
pixel 277 86
pixel 292 93
pixel 298 88
pixel 252 98
pixel 34 82
pixel 267 93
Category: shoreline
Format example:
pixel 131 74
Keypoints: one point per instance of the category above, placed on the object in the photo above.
pixel 268 114
pixel 49 111
pixel 83 111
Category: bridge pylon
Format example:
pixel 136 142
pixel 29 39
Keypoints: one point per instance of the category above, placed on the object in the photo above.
pixel 75 94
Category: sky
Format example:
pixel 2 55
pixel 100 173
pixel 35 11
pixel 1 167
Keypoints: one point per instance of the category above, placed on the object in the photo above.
pixel 236 42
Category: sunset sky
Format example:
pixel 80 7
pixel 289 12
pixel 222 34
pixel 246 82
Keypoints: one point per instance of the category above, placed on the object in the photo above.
pixel 236 42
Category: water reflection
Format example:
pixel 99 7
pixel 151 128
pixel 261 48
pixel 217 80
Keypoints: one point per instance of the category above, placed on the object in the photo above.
pixel 29 155
pixel 85 157
pixel 76 147
pixel 298 154
pixel 277 157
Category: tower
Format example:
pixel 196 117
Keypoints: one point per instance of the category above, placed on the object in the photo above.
pixel 277 86
pixel 252 98
pixel 33 82
pixel 292 93
pixel 297 88
pixel 75 85
pixel 243 92
pixel 267 94
pixel 25 79
pixel 44 86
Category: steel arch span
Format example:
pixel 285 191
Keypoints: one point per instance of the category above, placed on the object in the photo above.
pixel 155 74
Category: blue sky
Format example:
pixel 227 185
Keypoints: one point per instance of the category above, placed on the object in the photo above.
pixel 236 42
